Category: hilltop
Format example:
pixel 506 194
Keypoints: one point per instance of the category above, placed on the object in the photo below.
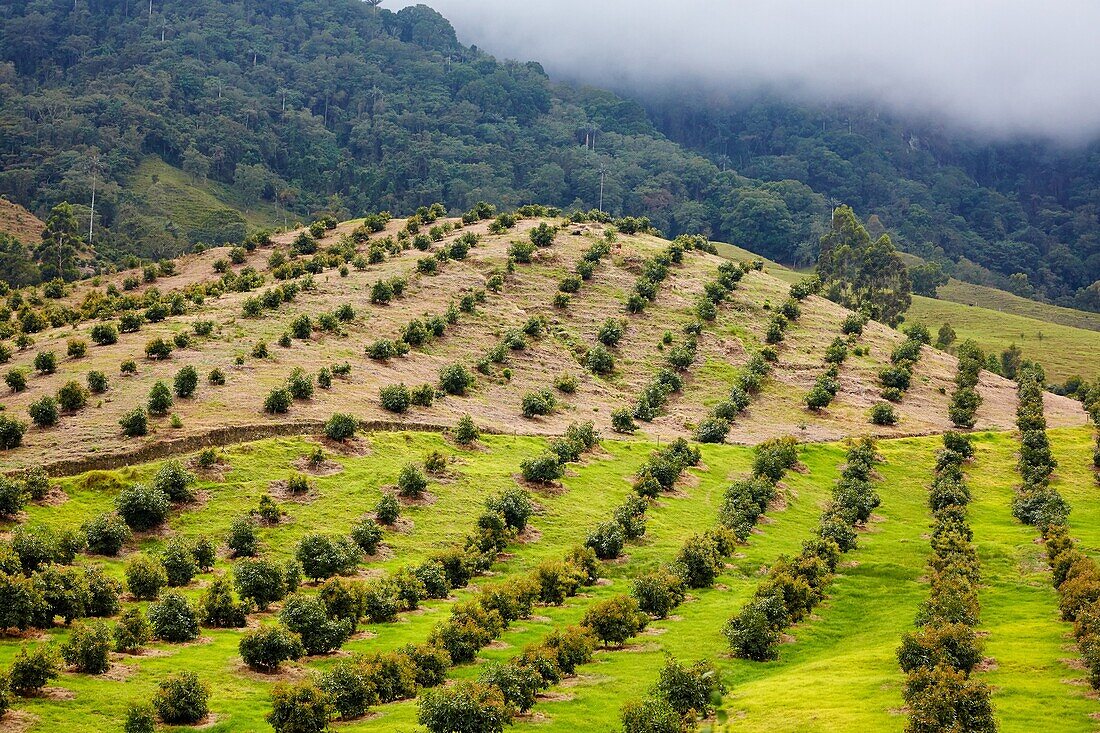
pixel 235 410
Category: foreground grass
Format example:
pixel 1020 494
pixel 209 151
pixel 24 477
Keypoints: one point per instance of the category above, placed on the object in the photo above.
pixel 1027 644
pixel 838 673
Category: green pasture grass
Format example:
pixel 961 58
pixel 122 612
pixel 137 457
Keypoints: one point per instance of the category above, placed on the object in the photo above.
pixel 1063 350
pixel 837 672
pixel 185 201
pixel 1033 685
pixel 1005 302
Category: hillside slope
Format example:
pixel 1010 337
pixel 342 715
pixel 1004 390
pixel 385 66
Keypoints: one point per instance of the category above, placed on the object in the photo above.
pixel 17 222
pixel 495 402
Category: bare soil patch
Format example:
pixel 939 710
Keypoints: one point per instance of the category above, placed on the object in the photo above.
pixel 326 467
pixel 280 489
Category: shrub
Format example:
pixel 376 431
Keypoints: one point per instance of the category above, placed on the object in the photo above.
pixel 11 432
pixel 466 707
pixel 175 481
pixel 942 698
pixel 382 350
pixel 341 427
pixel 140 718
pixel 651 715
pixel 954 645
pixel 322 556
pixel 132 631
pixel 712 430
pixel 76 348
pixel 455 379
pixel 541 402
pixel 36 483
pixel 387 510
pixel 16 379
pixel 367 535
pixel 88 648
pixel 423 396
pixel 267 647
pixel 395 398
pixel 134 423
pixel 689 690
pixel 259 581
pixel 242 541
pixel 179 562
pixel 699 561
pixel 13 497
pixel 883 413
pixel 606 540
pixel 658 592
pixel 615 619
pixel 307 617
pixel 104 334
pixel 514 505
pixel 33 668
pixel 411 482
pixel 518 683
pixel 299 708
pixel 775 457
pixel 185 382
pixel 465 431
pixel 44 412
pixel 173 619
pixel 751 634
pixel 181 699
pixel 97 382
pixel 599 361
pixel 158 349
pixel 45 362
pixel 300 384
pixel 160 399
pixel 543 469
pixel 218 608
pixel 142 507
pixel 622 421
pixel 278 401
pixel 145 577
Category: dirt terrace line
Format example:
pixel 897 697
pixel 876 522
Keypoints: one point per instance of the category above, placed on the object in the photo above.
pixel 221 437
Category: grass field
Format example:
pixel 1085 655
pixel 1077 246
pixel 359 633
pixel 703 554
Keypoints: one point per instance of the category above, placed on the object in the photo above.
pixel 1064 351
pixel 1005 302
pixel 171 193
pixel 838 673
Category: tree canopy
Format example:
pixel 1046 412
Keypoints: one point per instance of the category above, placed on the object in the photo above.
pixel 861 273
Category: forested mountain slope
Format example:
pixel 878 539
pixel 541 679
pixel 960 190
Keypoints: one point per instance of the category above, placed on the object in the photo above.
pixel 987 210
pixel 279 110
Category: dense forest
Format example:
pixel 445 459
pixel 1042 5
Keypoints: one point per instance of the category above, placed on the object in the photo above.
pixel 344 107
pixel 1022 215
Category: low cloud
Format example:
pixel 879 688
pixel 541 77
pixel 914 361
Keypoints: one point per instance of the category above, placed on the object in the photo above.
pixel 1000 67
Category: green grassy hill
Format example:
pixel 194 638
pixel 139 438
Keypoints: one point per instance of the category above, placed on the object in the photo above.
pixel 841 661
pixel 186 201
pixel 1064 340
pixel 1063 350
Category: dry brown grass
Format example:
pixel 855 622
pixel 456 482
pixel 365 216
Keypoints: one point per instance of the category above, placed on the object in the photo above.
pixel 495 403
pixel 20 223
